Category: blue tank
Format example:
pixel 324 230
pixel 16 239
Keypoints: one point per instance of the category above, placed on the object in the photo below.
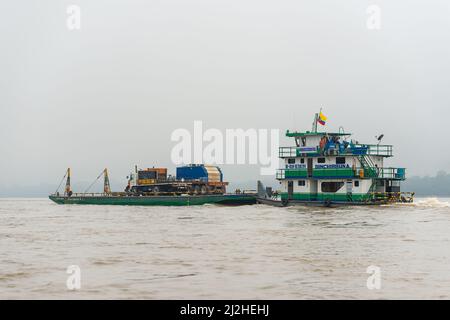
pixel 200 172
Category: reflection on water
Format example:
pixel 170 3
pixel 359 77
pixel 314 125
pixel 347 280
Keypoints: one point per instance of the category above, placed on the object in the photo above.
pixel 205 252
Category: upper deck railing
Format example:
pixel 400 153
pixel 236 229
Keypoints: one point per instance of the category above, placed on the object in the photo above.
pixel 287 152
pixel 347 173
pixel 354 149
pixel 384 150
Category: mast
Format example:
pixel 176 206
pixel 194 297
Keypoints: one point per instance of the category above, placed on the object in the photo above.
pixel 106 185
pixel 68 190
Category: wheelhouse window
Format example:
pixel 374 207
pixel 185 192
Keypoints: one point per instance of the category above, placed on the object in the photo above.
pixel 356 184
pixel 302 160
pixel 331 186
pixel 340 160
pixel 301 183
pixel 291 160
pixel 321 160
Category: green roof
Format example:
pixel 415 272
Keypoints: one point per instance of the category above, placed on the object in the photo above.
pixel 311 134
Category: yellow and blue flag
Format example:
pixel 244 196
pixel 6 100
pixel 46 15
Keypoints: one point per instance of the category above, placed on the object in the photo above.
pixel 322 119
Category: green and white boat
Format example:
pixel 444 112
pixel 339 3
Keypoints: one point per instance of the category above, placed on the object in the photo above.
pixel 327 168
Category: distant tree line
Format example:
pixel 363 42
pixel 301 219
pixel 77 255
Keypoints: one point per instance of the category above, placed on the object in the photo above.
pixel 429 186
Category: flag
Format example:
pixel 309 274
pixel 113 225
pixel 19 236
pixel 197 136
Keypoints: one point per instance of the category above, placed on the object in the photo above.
pixel 322 119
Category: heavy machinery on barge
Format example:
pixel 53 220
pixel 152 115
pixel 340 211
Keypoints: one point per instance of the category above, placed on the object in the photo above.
pixel 193 184
pixel 192 179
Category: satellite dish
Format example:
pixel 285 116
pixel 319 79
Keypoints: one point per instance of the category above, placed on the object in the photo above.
pixel 379 138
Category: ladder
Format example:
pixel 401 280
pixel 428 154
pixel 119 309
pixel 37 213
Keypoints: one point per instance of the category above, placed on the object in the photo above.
pixel 368 166
pixel 371 171
pixel 370 196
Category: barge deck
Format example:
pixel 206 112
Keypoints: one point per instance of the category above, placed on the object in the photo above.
pixel 157 200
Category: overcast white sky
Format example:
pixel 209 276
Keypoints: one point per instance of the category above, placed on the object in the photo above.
pixel 111 93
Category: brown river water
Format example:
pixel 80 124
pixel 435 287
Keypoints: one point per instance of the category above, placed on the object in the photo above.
pixel 214 252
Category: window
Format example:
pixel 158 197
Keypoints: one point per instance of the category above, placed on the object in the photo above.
pixel 302 160
pixel 147 175
pixel 291 160
pixel 301 183
pixel 331 186
pixel 340 160
pixel 393 183
pixel 321 160
pixel 356 184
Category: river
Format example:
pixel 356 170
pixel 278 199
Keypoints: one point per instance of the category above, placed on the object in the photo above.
pixel 215 252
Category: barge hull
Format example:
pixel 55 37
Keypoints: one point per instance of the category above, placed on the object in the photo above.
pixel 226 199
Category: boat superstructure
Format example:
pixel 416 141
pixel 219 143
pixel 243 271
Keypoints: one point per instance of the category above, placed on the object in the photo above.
pixel 330 168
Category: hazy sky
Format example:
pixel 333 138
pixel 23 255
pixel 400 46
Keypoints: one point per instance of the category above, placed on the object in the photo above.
pixel 110 94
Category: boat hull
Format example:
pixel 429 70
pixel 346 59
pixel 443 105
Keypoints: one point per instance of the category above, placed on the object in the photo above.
pixel 290 203
pixel 225 199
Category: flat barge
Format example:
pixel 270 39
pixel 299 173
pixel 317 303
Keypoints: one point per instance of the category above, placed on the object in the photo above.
pixel 193 185
pixel 167 200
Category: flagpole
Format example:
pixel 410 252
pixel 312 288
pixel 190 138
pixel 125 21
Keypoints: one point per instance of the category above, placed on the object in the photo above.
pixel 316 117
pixel 316 120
